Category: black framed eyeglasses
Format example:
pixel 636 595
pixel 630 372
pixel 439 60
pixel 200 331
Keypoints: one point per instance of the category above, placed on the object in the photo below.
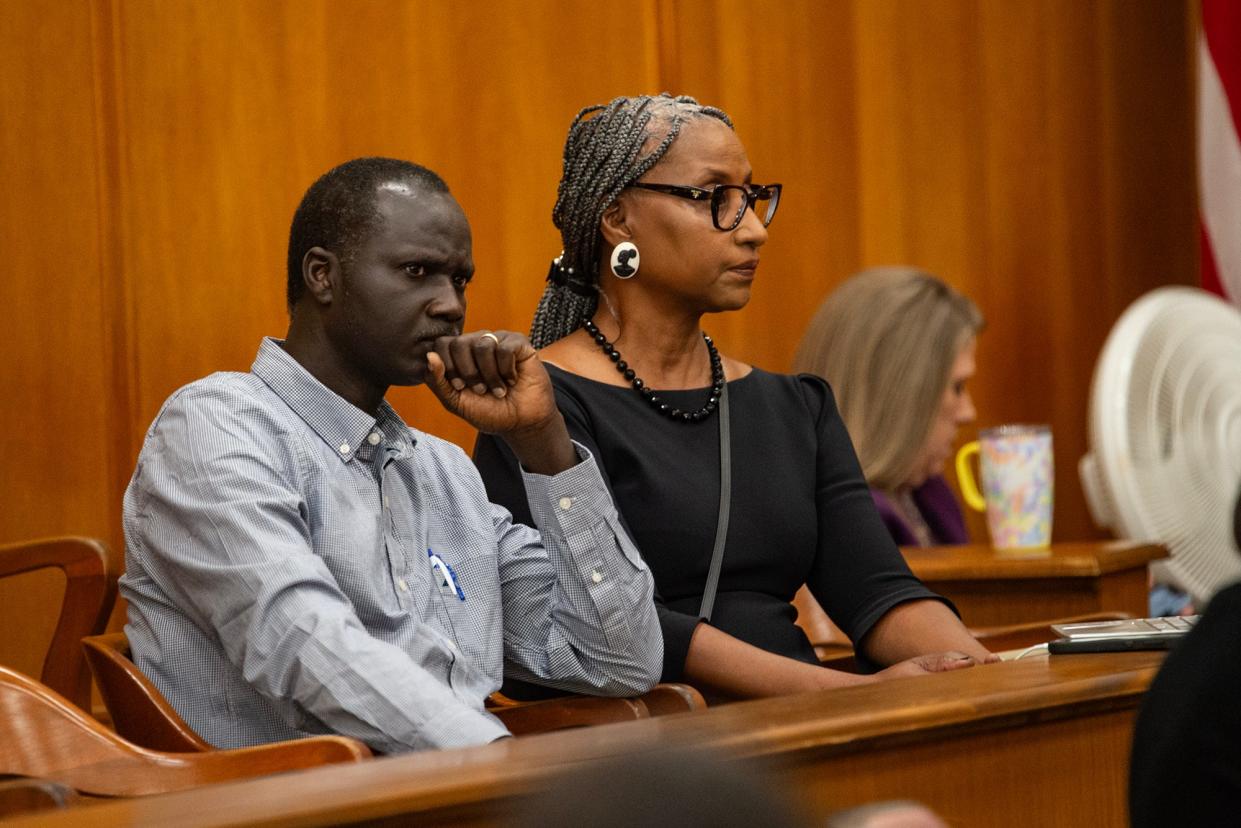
pixel 728 201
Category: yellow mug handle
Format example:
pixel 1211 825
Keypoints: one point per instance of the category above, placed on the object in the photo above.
pixel 965 477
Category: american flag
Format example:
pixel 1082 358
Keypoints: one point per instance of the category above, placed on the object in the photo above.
pixel 1219 151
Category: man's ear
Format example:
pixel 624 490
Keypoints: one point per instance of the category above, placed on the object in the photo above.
pixel 613 226
pixel 321 273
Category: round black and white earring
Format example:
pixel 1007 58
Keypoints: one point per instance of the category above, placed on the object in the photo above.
pixel 625 260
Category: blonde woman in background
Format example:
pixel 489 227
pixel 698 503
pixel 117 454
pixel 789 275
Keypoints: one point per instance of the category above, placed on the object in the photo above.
pixel 897 346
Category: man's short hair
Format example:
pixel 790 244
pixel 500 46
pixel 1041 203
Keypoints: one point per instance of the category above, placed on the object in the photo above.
pixel 339 210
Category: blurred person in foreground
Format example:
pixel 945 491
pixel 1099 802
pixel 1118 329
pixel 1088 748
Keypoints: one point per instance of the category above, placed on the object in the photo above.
pixel 1186 762
pixel 694 789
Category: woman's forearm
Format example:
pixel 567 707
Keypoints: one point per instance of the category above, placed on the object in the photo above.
pixel 721 665
pixel 917 628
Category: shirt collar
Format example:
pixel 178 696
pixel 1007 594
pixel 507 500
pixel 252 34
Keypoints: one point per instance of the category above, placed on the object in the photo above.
pixel 344 427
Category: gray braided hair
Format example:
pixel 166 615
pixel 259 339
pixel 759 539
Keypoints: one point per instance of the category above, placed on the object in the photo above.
pixel 602 156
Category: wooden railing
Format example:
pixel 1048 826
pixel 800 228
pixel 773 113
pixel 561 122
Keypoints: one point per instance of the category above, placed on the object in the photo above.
pixel 1040 741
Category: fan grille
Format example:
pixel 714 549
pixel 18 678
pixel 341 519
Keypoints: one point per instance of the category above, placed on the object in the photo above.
pixel 1166 428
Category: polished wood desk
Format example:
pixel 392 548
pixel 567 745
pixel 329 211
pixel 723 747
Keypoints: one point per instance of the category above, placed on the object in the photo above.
pixel 994 588
pixel 1042 741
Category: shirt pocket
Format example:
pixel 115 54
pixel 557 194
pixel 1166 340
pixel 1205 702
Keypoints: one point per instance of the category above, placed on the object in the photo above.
pixel 473 616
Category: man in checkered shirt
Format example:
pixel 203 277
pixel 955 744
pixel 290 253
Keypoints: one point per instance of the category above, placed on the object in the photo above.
pixel 300 561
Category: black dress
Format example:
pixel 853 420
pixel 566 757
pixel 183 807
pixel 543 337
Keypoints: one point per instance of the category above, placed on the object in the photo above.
pixel 801 511
pixel 1186 764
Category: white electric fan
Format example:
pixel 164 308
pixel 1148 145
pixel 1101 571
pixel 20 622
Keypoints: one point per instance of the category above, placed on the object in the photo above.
pixel 1165 434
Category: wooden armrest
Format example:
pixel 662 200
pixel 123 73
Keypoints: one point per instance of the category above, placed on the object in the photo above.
pixel 138 712
pixel 122 776
pixel 46 736
pixel 499 700
pixel 280 757
pixel 24 796
pixel 814 622
pixel 665 698
pixel 672 698
pixel 523 718
pixel 831 652
pixel 90 591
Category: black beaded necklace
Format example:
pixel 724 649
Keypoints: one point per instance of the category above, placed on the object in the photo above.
pixel 648 393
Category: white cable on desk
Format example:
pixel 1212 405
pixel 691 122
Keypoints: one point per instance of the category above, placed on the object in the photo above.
pixel 1037 648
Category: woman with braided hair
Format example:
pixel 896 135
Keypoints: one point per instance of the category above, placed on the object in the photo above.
pixel 661 224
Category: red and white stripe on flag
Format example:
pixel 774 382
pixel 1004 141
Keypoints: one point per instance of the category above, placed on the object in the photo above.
pixel 1219 151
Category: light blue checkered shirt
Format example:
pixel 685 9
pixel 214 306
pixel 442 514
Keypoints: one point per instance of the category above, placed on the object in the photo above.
pixel 279 581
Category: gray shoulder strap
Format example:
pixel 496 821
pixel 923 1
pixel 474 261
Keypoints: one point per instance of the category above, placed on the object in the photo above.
pixel 726 496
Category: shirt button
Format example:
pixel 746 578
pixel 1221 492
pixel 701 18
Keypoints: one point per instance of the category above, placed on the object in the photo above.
pixel 344 448
pixel 566 503
pixel 596 576
pixel 374 438
pixel 385 501
pixel 403 586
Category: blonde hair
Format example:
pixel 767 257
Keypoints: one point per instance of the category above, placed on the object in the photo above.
pixel 886 340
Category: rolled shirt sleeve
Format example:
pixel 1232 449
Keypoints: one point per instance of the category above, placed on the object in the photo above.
pixel 578 596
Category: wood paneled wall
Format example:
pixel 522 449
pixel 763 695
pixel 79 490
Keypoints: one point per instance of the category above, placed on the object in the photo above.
pixel 1036 153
